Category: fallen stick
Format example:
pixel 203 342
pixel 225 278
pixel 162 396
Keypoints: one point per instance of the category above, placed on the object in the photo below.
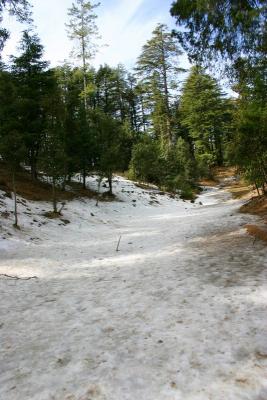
pixel 18 278
pixel 118 245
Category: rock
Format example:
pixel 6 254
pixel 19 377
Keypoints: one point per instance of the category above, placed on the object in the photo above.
pixel 65 221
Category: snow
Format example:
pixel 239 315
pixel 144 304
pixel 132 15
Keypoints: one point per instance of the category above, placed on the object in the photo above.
pixel 178 313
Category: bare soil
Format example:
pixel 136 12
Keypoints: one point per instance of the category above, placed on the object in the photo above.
pixel 41 191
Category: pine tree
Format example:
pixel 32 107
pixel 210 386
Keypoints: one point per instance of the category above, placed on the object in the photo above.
pixel 12 149
pixel 202 110
pixel 110 149
pixel 82 29
pixel 32 82
pixel 157 67
pixel 226 30
pixel 52 159
pixel 78 128
pixel 232 35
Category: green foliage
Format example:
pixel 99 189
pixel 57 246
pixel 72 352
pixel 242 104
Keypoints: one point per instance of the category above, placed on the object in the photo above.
pixel 249 145
pixel 203 112
pixel 157 69
pixel 78 120
pixel 174 171
pixel 228 29
pixel 181 168
pixel 110 145
pixel 83 29
pixel 234 33
pixel 12 148
pixel 32 82
pixel 18 8
pixel 146 162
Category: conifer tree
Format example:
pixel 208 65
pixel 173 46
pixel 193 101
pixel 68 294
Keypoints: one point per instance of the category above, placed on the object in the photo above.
pixel 12 149
pixel 202 111
pixel 226 30
pixel 83 30
pixel 157 67
pixel 52 159
pixel 32 82
pixel 111 152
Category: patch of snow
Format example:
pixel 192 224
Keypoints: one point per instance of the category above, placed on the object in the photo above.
pixel 178 313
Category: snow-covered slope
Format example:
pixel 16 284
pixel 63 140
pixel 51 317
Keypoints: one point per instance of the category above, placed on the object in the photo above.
pixel 178 313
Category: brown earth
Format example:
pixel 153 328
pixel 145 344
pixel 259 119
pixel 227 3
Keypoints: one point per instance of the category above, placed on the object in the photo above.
pixel 259 232
pixel 38 190
pixel 255 204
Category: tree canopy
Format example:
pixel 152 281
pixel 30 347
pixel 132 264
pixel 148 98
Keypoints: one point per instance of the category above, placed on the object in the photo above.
pixel 232 29
pixel 21 9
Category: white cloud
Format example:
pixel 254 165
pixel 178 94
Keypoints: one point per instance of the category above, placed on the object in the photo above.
pixel 125 26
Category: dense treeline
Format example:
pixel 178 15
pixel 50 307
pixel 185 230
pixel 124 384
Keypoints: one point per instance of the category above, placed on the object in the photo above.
pixel 232 36
pixel 71 119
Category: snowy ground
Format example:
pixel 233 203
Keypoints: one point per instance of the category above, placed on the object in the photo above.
pixel 179 313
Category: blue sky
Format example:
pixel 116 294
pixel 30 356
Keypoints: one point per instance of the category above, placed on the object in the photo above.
pixel 125 26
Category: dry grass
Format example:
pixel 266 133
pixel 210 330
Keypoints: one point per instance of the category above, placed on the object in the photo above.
pixel 28 189
pixel 208 182
pixel 145 186
pixel 257 205
pixel 238 187
pixel 218 175
pixel 41 191
pixel 241 190
pixel 258 232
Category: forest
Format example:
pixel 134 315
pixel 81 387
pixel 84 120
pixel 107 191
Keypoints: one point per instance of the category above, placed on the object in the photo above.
pixel 158 123
pixel 133 200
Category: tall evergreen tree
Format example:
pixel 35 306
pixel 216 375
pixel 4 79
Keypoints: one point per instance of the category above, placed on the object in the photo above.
pixel 78 128
pixel 32 81
pixel 157 67
pixel 235 34
pixel 52 158
pixel 83 30
pixel 111 152
pixel 225 28
pixel 12 149
pixel 203 112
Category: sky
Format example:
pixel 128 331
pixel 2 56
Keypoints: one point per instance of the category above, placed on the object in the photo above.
pixel 125 26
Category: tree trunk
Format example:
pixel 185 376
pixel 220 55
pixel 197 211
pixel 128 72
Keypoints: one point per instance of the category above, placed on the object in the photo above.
pixel 98 190
pixel 166 93
pixel 219 152
pixel 264 171
pixel 33 170
pixel 15 199
pixel 110 184
pixel 143 114
pixel 84 179
pixel 257 188
pixel 84 67
pixel 54 196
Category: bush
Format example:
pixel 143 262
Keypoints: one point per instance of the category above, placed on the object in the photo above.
pixel 146 163
pixel 174 171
